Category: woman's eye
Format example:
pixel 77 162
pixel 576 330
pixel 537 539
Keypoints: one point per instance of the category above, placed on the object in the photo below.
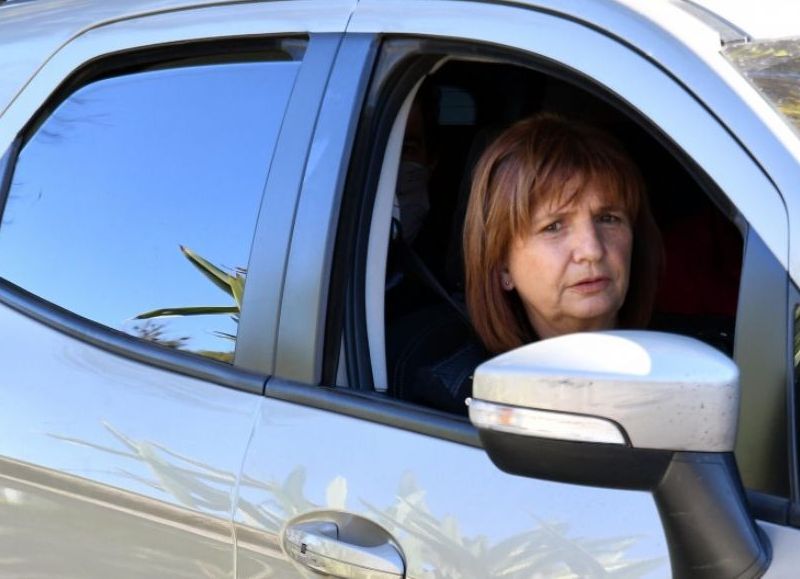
pixel 554 227
pixel 610 218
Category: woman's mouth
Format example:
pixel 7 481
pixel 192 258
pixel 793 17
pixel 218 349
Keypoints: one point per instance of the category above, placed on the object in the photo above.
pixel 591 285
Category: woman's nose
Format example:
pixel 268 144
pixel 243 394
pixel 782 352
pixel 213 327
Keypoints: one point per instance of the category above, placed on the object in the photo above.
pixel 588 245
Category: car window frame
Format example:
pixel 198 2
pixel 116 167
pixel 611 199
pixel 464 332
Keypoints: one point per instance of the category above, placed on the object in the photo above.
pixel 610 67
pixel 382 116
pixel 304 305
pixel 756 178
pixel 763 307
pixel 121 43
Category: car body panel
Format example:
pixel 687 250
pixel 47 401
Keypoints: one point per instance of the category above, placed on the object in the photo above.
pixel 446 505
pixel 785 555
pixel 111 468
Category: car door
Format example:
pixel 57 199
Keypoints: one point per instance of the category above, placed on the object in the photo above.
pixel 332 453
pixel 134 167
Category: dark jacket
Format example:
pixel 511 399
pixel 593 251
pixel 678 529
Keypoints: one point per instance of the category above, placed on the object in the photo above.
pixel 431 357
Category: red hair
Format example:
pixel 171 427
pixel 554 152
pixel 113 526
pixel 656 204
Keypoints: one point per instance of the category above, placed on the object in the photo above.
pixel 542 159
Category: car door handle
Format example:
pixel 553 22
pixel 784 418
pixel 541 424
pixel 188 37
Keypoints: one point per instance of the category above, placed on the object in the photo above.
pixel 319 546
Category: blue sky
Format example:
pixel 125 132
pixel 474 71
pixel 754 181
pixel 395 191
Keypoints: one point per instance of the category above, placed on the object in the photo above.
pixel 127 170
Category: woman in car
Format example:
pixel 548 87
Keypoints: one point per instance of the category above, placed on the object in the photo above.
pixel 558 236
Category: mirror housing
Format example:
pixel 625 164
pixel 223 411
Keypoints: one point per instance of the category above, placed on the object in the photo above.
pixel 644 389
pixel 630 410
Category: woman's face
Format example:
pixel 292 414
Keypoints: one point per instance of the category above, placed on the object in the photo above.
pixel 572 268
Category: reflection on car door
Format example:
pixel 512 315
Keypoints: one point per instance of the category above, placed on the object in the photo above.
pixel 450 510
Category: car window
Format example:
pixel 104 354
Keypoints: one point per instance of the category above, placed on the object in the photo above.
pixel 430 350
pixel 428 344
pixel 402 329
pixel 133 202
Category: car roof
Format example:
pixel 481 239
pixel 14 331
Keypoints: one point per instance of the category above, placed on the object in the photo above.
pixel 744 19
pixel 32 31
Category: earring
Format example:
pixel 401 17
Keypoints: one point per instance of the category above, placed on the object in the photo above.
pixel 507 283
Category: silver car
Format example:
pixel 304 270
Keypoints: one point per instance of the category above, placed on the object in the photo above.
pixel 210 341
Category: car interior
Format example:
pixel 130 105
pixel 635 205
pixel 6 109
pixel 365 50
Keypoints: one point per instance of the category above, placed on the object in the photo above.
pixel 414 288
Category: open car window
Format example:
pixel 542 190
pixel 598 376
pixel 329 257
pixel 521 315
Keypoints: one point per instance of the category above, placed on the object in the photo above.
pixel 403 300
pixel 446 122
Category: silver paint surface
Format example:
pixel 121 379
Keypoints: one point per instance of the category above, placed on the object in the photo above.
pixel 111 468
pixel 451 511
pixel 666 391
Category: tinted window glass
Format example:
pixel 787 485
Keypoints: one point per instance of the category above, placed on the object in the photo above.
pixel 134 203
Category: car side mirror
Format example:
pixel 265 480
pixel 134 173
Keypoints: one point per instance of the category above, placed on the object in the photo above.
pixel 630 410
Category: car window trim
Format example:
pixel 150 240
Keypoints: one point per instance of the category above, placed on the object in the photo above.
pixel 768 507
pixel 303 316
pixel 7 171
pixel 376 408
pixel 762 318
pixel 793 396
pixel 267 264
pixel 347 284
pixel 127 346
pixel 133 60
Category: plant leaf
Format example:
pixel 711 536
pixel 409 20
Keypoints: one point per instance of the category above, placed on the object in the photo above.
pixel 237 288
pixel 225 335
pixel 188 311
pixel 219 277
